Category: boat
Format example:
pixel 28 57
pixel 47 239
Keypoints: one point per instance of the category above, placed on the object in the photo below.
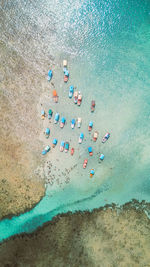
pixel 71 90
pixel 90 126
pixel 92 105
pixel 54 142
pixel 64 63
pixel 85 163
pixel 42 114
pixel 81 137
pixel 79 99
pixel 50 113
pixel 66 76
pixel 106 137
pixel 47 132
pixel 75 97
pixel 55 96
pixel 66 147
pixel 79 122
pixel 72 151
pixel 101 157
pixel 73 122
pixel 62 145
pixel 90 150
pixel 92 173
pixel 47 149
pixel 56 119
pixel 50 74
pixel 62 122
pixel 95 136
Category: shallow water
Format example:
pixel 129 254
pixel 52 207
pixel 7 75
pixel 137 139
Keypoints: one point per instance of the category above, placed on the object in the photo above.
pixel 107 47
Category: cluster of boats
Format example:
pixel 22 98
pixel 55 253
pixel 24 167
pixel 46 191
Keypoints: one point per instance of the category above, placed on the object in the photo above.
pixel 77 96
pixel 77 99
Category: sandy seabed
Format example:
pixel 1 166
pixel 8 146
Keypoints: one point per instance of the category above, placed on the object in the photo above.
pixel 20 188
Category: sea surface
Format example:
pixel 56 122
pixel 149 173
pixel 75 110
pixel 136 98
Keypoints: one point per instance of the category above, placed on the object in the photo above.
pixel 107 45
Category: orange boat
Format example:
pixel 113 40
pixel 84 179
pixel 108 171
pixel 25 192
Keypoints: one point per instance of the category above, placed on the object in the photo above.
pixel 55 96
pixel 72 151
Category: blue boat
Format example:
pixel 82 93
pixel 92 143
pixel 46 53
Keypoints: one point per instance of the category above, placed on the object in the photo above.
pixel 101 157
pixel 56 119
pixel 66 73
pixel 73 122
pixel 50 113
pixel 50 74
pixel 81 137
pixel 71 90
pixel 92 173
pixel 66 146
pixel 64 69
pixel 47 149
pixel 54 142
pixel 47 132
pixel 62 122
pixel 90 150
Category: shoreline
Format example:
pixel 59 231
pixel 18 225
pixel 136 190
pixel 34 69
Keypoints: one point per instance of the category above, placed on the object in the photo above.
pixel 108 234
pixel 133 204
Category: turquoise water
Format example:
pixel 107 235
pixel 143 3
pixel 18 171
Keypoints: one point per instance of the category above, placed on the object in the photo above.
pixel 107 46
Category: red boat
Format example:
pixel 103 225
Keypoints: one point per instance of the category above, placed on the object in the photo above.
pixel 72 151
pixel 92 106
pixel 85 163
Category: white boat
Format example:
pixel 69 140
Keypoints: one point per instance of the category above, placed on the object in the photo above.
pixel 79 121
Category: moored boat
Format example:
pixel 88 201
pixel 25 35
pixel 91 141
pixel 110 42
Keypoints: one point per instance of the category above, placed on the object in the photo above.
pixel 85 163
pixel 90 150
pixel 79 99
pixel 56 119
pixel 90 126
pixel 54 142
pixel 73 122
pixel 66 147
pixel 106 137
pixel 81 137
pixel 101 157
pixel 92 105
pixel 47 149
pixel 62 122
pixel 42 114
pixel 50 74
pixel 95 136
pixel 75 97
pixel 47 132
pixel 71 90
pixel 92 173
pixel 55 96
pixel 66 76
pixel 72 151
pixel 79 121
pixel 62 145
pixel 50 113
pixel 65 63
